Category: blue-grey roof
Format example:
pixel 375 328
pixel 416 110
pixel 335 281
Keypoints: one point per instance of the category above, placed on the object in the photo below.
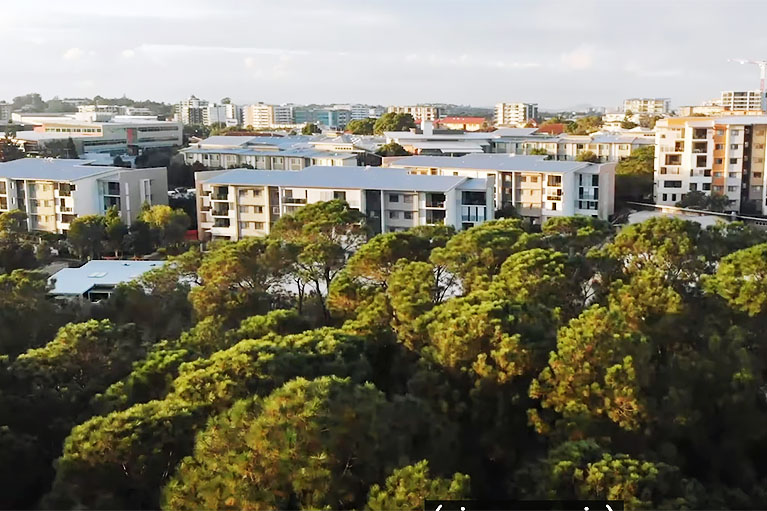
pixel 246 140
pixel 51 169
pixel 485 161
pixel 77 281
pixel 289 153
pixel 317 176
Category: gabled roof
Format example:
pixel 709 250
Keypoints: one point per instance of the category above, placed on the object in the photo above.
pixel 507 162
pixel 52 169
pixel 340 178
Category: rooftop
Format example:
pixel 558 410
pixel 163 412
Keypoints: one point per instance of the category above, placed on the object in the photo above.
pixel 52 169
pixel 485 161
pixel 317 176
pixel 77 281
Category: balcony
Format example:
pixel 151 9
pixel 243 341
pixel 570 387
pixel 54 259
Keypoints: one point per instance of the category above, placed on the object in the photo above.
pixel 435 200
pixel 220 211
pixel 471 213
pixel 293 200
pixel 435 217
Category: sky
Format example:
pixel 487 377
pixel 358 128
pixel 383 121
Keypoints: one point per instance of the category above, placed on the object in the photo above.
pixel 477 52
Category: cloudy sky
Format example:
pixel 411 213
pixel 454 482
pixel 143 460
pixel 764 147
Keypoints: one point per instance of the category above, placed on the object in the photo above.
pixel 475 52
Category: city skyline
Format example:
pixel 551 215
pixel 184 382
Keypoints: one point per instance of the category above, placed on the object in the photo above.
pixel 439 52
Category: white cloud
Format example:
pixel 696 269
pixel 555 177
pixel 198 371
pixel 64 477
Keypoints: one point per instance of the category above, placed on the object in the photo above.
pixel 128 54
pixel 73 54
pixel 580 58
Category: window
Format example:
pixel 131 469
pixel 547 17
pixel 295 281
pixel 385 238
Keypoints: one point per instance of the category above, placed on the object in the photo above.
pixel 394 214
pixel 757 175
pixel 735 133
pixel 706 186
pixel 665 197
pixel 393 197
pixel 700 160
pixel 244 209
pixel 732 188
pixel 732 175
pixel 673 197
pixel 734 147
pixel 407 199
pixel 733 161
pixel 718 161
pixel 720 133
pixel 408 215
pixel 759 146
pixel 554 181
pixel 719 147
pixel 339 196
pixel 258 209
pixel 693 187
pixel 533 179
pixel 672 184
pixel 256 193
pixel 258 225
pixel 145 188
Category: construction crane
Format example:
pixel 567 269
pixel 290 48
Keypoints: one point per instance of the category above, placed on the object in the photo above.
pixel 763 75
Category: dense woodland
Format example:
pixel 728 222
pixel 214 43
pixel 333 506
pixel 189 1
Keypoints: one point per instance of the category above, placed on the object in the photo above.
pixel 319 368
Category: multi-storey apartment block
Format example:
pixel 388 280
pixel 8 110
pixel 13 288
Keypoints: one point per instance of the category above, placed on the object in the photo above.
pixel 651 106
pixel 723 155
pixel 240 203
pixel 538 188
pixel 741 101
pixel 263 153
pixel 5 111
pixel 419 112
pixel 54 192
pixel 191 111
pixel 515 114
pixel 608 148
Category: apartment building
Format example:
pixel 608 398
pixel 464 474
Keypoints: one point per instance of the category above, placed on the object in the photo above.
pixel 119 135
pixel 263 153
pixel 5 111
pixel 365 111
pixel 742 101
pixel 608 148
pixel 651 106
pixel 538 188
pixel 240 203
pixel 515 114
pixel 333 118
pixel 263 116
pixel 227 114
pixel 191 111
pixel 53 192
pixel 723 155
pixel 419 112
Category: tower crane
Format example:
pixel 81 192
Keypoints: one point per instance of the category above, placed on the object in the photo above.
pixel 763 75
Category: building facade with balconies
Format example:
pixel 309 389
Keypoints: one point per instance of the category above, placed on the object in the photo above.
pixel 239 203
pixel 537 188
pixel 723 155
pixel 53 192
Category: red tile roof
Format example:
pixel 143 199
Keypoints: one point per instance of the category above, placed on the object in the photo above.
pixel 461 120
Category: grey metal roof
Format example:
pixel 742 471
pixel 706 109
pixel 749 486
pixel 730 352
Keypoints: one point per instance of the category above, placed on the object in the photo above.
pixel 316 176
pixel 508 162
pixel 52 169
pixel 246 140
pixel 76 281
pixel 289 153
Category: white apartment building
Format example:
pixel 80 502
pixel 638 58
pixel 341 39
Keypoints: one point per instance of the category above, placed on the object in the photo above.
pixel 741 101
pixel 240 203
pixel 538 188
pixel 608 148
pixel 365 111
pixel 419 112
pixel 228 115
pixel 723 155
pixel 5 111
pixel 191 111
pixel 652 106
pixel 53 192
pixel 515 114
pixel 263 153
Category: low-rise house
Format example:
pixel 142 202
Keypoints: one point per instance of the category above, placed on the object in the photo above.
pixel 239 203
pixel 97 279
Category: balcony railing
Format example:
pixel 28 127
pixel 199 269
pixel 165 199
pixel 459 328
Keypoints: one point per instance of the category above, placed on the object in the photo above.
pixel 293 200
pixel 435 204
